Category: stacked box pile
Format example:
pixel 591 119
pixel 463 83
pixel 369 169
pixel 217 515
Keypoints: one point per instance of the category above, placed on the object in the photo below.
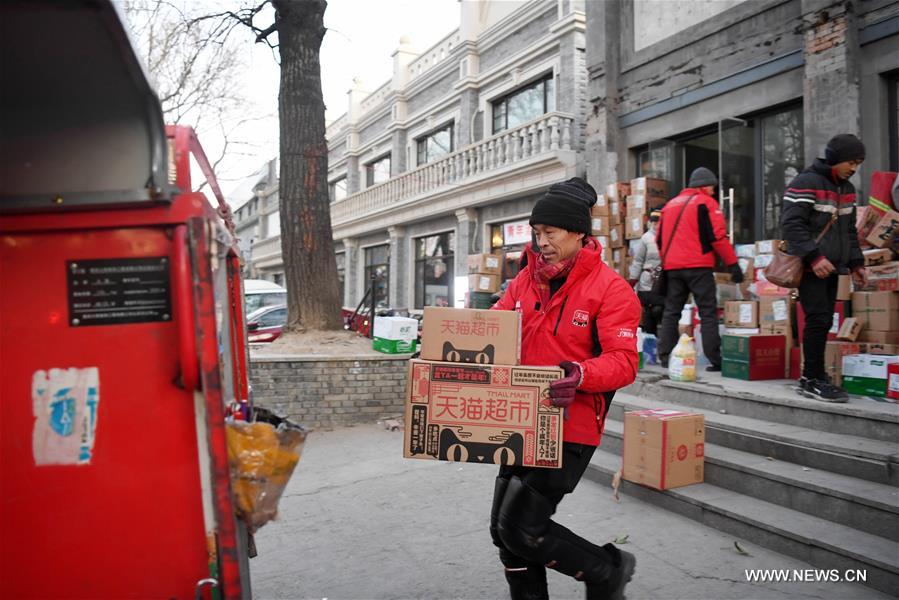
pixel 484 278
pixel 468 399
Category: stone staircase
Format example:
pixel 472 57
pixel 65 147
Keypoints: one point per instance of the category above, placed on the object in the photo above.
pixel 812 480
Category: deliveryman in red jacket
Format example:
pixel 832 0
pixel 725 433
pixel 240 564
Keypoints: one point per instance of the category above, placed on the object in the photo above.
pixel 581 315
pixel 690 234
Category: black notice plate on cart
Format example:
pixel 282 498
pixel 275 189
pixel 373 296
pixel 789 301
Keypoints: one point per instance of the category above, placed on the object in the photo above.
pixel 119 290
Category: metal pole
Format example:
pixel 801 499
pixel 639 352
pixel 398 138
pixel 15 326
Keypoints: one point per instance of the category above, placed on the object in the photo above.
pixel 730 199
pixel 374 303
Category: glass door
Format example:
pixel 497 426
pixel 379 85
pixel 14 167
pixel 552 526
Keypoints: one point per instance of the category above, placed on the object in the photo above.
pixel 736 176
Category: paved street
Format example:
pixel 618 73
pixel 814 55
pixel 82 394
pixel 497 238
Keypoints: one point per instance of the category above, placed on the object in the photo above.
pixel 360 522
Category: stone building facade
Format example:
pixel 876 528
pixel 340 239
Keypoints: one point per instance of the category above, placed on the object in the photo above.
pixel 448 157
pixel 752 89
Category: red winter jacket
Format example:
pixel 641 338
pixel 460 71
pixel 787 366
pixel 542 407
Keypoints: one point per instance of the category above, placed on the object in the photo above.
pixel 592 319
pixel 700 234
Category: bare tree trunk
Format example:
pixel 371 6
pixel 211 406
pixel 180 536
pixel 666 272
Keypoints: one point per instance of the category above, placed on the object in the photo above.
pixel 306 243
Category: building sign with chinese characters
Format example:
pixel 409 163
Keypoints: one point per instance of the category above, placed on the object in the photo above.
pixel 516 232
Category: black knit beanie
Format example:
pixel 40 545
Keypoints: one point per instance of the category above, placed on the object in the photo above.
pixel 566 205
pixel 843 148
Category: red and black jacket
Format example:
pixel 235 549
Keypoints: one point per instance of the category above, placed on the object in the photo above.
pixel 700 234
pixel 592 320
pixel 810 202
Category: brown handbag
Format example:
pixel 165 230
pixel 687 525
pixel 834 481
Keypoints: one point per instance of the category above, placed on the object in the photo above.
pixel 785 269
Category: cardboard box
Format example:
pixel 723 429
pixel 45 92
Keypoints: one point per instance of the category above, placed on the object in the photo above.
pixel 753 357
pixel 879 337
pixel 395 335
pixel 471 336
pixel 893 382
pixel 634 227
pixel 763 287
pixel 866 374
pixel 839 313
pixel 616 236
pixel 650 187
pixel 745 250
pixel 883 278
pixel 877 256
pixel 486 264
pixel 663 449
pixel 775 315
pixel 844 287
pixel 636 205
pixel 618 191
pixel 742 313
pixel 762 261
pixel 492 414
pixel 884 230
pixel 483 283
pixel 747 265
pixel 602 207
pixel 849 330
pixel 601 225
pixel 878 311
pixel 766 246
pixel 795 361
pixel 833 358
pixel 615 212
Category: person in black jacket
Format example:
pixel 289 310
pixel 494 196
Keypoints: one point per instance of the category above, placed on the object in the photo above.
pixel 819 195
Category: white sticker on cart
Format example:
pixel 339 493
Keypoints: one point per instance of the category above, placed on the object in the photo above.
pixel 65 404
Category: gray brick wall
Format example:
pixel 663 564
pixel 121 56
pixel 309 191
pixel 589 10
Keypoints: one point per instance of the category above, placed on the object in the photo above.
pixel 522 38
pixel 375 129
pixel 441 88
pixel 329 392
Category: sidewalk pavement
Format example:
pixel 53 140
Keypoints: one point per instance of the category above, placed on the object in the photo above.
pixel 358 521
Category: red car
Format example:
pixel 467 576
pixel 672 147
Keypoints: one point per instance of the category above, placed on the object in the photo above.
pixel 266 324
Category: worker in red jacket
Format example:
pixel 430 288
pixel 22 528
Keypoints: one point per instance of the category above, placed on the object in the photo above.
pixel 581 315
pixel 690 234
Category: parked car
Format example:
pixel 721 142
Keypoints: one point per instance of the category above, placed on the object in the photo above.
pixel 259 293
pixel 266 324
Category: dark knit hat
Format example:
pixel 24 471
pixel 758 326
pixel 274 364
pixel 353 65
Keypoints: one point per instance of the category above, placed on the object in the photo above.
pixel 702 177
pixel 566 205
pixel 843 148
pixel 655 215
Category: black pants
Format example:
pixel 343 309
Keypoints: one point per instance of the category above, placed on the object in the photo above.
pixel 681 283
pixel 653 308
pixel 524 501
pixel 817 297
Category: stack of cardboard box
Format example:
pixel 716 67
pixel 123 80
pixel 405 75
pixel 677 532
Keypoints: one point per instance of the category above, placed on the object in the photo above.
pixel 469 400
pixel 484 274
pixel 607 223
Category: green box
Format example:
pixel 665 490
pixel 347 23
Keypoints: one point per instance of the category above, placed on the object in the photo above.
pixel 737 369
pixel 865 386
pixel 393 346
pixel 482 300
pixel 735 347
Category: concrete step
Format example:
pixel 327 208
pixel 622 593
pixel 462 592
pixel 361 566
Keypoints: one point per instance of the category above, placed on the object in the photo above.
pixel 817 541
pixel 774 401
pixel 863 505
pixel 852 455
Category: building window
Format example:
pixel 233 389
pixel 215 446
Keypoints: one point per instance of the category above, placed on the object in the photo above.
pixel 434 270
pixel 524 104
pixel 782 156
pixel 377 171
pixel 893 120
pixel 273 224
pixel 278 278
pixel 377 274
pixel 435 145
pixel 341 273
pixel 337 189
pixel 509 239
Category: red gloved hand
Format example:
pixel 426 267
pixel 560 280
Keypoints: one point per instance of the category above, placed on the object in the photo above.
pixel 561 391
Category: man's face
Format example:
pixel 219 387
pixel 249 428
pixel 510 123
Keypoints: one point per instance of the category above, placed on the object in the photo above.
pixel 708 190
pixel 845 170
pixel 557 244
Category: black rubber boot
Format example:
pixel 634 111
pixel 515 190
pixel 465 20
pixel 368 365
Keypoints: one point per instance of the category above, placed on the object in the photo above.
pixel 612 588
pixel 528 583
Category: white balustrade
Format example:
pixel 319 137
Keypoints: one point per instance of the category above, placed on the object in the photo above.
pixel 550 133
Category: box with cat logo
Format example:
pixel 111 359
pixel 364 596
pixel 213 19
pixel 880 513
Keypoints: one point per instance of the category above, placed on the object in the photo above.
pixel 471 335
pixel 490 414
